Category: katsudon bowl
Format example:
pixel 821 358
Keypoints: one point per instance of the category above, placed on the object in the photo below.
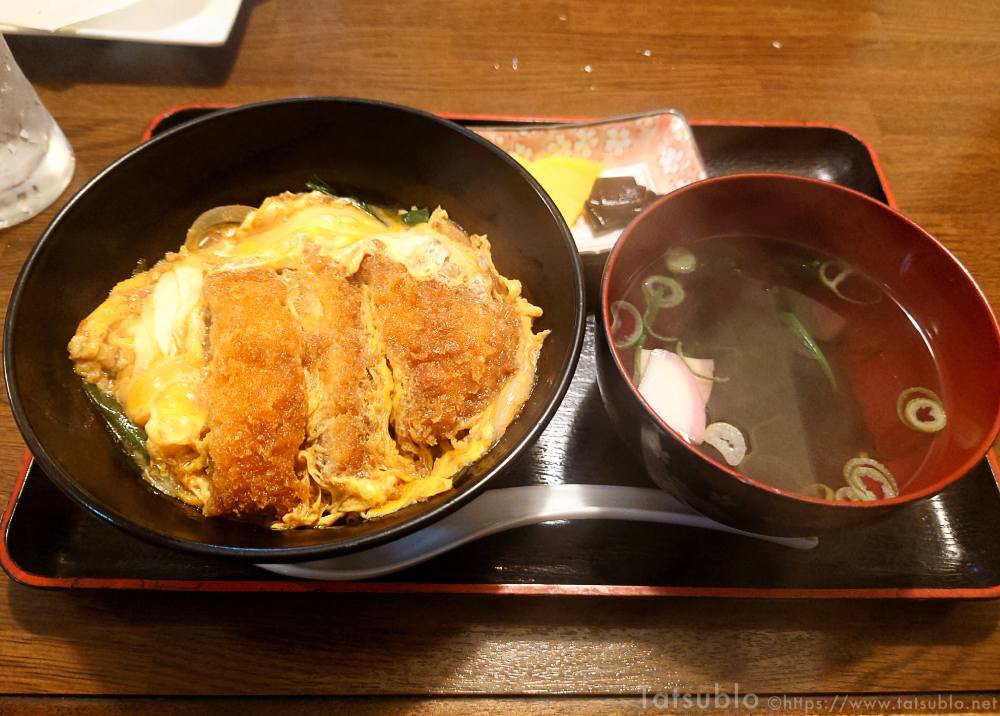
pixel 140 207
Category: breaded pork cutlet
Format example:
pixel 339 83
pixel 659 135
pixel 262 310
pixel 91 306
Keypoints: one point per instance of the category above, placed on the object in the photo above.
pixel 314 365
pixel 450 349
pixel 256 395
pixel 348 413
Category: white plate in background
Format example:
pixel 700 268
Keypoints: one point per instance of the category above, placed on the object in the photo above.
pixel 173 22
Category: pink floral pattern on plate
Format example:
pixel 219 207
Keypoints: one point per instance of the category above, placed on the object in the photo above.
pixel 657 149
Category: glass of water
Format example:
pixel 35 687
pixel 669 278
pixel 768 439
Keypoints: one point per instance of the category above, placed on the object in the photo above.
pixel 36 161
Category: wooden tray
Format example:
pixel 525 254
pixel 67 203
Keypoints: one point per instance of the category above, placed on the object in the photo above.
pixel 942 547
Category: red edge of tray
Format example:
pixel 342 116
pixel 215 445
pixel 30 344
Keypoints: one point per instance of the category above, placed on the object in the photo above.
pixel 883 182
pixel 192 585
pixel 628 590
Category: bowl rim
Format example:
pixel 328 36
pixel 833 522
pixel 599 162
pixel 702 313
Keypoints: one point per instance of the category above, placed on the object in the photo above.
pixel 286 554
pixel 957 472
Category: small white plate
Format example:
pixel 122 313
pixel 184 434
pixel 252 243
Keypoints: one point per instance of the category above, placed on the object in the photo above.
pixel 173 22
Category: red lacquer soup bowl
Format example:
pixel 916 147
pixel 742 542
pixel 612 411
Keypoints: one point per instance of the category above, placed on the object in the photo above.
pixel 923 277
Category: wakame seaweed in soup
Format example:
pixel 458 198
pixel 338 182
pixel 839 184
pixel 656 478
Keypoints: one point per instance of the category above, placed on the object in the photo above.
pixel 788 364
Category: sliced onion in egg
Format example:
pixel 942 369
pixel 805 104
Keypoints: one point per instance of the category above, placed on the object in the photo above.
pixel 228 214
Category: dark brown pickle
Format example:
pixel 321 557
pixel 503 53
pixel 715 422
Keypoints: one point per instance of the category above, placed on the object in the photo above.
pixel 615 201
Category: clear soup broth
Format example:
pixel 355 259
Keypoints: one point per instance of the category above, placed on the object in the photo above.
pixel 792 366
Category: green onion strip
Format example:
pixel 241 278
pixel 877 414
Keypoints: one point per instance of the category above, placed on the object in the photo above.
pixel 648 318
pixel 127 432
pixel 637 367
pixel 617 308
pixel 679 259
pixel 728 440
pixel 662 291
pixel 317 184
pixel 415 216
pixel 833 283
pixel 659 292
pixel 697 374
pixel 796 327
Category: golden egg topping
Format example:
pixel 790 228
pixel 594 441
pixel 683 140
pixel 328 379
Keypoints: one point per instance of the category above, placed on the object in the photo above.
pixel 319 359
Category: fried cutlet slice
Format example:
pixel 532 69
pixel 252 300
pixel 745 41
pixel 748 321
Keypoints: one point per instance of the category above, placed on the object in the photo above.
pixel 255 392
pixel 450 349
pixel 347 392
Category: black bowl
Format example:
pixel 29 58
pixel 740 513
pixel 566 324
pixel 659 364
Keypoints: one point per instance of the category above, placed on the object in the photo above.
pixel 921 274
pixel 139 208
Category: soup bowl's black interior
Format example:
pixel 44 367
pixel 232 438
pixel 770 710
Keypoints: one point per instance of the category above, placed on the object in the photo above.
pixel 139 208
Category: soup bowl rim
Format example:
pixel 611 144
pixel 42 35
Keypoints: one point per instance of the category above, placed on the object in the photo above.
pixel 984 445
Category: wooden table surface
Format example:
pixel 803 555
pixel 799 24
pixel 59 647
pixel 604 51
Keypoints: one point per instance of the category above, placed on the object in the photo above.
pixel 918 79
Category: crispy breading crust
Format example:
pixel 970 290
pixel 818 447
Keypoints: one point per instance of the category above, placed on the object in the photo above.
pixel 330 308
pixel 256 395
pixel 450 349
